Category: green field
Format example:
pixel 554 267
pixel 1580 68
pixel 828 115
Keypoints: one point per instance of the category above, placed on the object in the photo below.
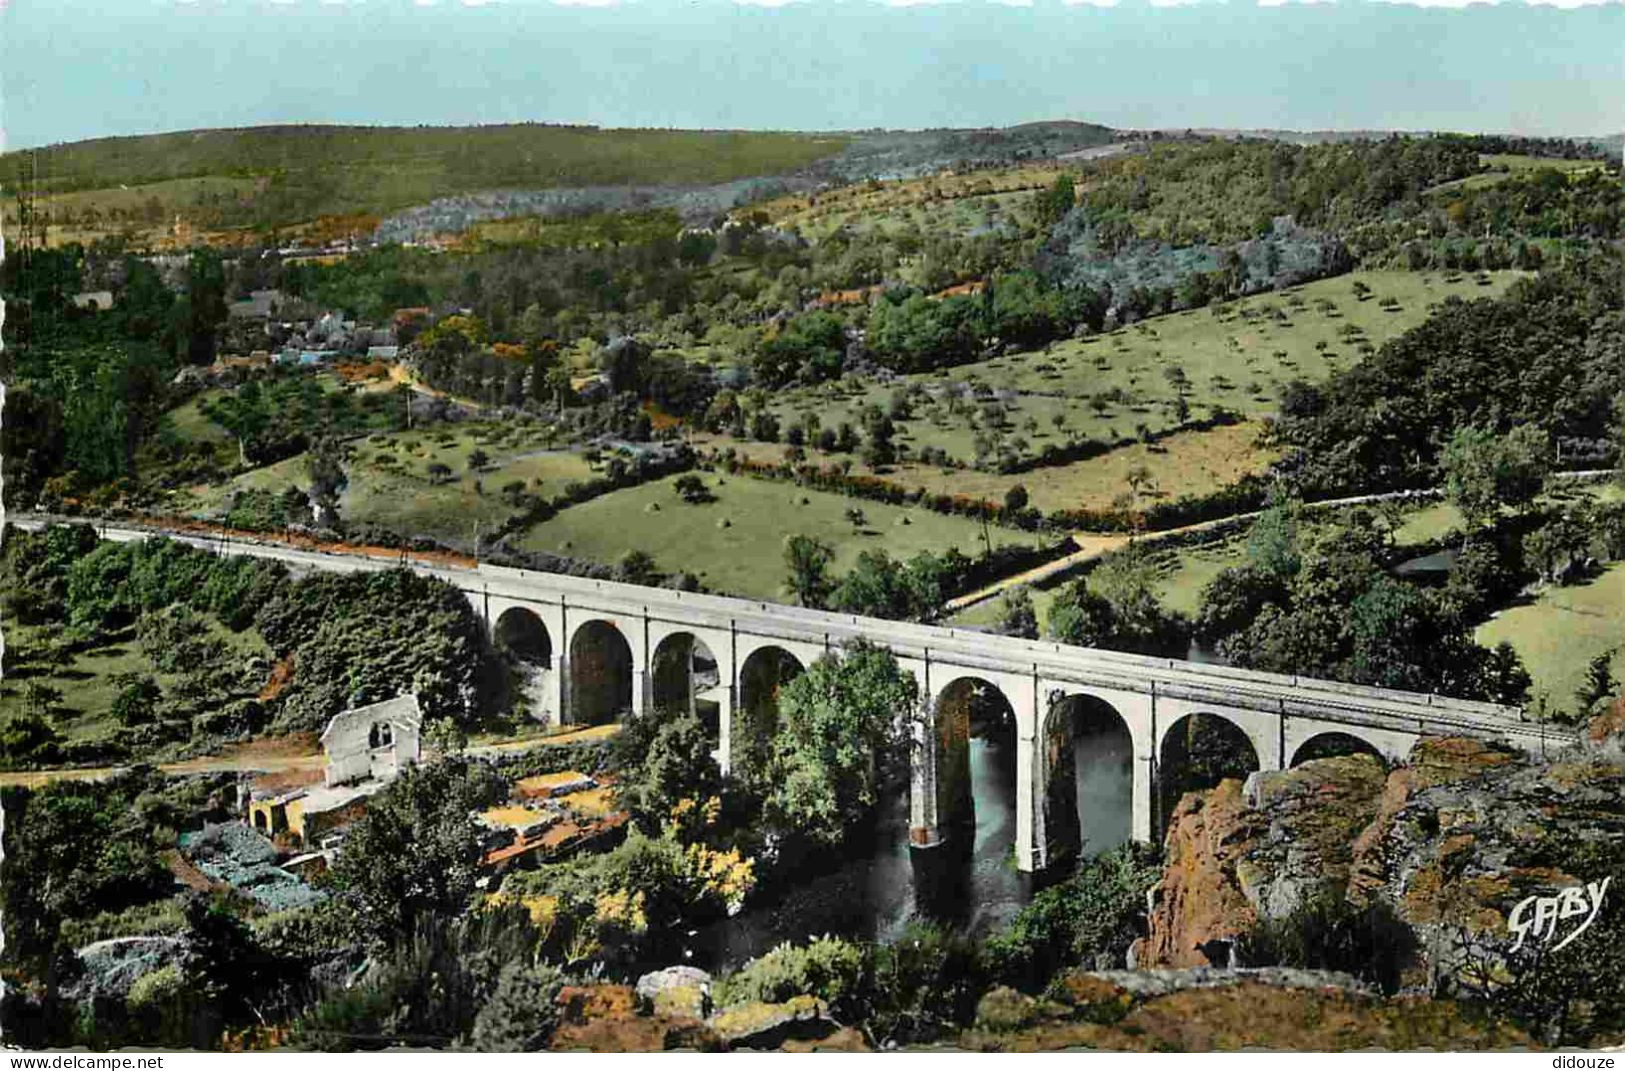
pixel 1238 356
pixel 332 170
pixel 86 682
pixel 406 501
pixel 1505 165
pixel 1562 630
pixel 942 204
pixel 390 485
pixel 745 557
pixel 1114 386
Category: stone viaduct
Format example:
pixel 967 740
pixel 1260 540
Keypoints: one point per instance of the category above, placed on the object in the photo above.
pixel 591 651
pixel 597 648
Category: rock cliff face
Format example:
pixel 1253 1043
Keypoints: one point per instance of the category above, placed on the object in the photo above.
pixel 1450 841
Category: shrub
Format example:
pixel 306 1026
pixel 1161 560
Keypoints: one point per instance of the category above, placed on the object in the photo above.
pixel 829 968
pixel 1326 932
pixel 161 1007
pixel 522 1011
pixel 1089 920
pixel 926 981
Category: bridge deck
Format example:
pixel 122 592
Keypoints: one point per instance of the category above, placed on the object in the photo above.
pixel 1330 701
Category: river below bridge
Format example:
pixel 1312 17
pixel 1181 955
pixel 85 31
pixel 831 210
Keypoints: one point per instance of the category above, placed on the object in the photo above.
pixel 874 893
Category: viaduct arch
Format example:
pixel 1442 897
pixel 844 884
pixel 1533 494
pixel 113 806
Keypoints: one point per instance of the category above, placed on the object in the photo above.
pixel 1283 719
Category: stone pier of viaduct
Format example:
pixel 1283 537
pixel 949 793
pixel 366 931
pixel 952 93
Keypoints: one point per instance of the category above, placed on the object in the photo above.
pixel 597 648
pixel 592 651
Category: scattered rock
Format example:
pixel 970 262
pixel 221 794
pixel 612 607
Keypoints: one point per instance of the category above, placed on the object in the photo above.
pixel 766 1026
pixel 113 966
pixel 581 1003
pixel 1003 1009
pixel 679 992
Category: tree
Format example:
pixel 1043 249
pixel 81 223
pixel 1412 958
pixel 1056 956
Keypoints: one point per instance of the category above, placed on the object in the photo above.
pixel 808 560
pixel 662 759
pixel 1234 599
pixel 134 704
pixel 842 731
pixel 1119 611
pixel 1016 614
pixel 1272 542
pixel 691 489
pixel 325 467
pixel 438 471
pixel 1181 384
pixel 1056 201
pixel 1015 500
pixel 415 853
pixel 205 304
pixel 223 963
pixel 244 414
pixel 477 459
pixel 1484 473
pixel 1599 684
pixel 636 567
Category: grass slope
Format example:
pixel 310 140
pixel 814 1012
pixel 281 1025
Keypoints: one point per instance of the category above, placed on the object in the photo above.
pixel 390 486
pixel 746 557
pixel 311 171
pixel 86 682
pixel 1561 631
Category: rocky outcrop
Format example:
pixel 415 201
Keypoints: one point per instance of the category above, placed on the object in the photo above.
pixel 1199 899
pixel 1315 813
pixel 1448 843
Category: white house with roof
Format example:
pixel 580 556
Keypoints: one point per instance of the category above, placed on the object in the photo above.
pixel 373 742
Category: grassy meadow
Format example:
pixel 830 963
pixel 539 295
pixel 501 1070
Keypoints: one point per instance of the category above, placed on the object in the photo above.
pixel 86 681
pixel 939 204
pixel 734 543
pixel 1237 356
pixel 1561 630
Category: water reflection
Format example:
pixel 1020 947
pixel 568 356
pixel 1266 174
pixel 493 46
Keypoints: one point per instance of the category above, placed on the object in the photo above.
pixel 969 884
pixel 1104 770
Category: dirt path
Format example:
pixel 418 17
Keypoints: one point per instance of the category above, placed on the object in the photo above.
pixel 284 755
pixel 1094 544
pixel 1091 545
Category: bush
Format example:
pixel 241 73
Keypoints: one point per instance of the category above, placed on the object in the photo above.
pixel 522 1011
pixel 433 989
pixel 1328 933
pixel 924 982
pixel 162 1006
pixel 829 968
pixel 1087 920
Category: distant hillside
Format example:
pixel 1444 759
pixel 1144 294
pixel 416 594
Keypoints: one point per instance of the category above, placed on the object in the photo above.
pixel 308 171
pixel 282 175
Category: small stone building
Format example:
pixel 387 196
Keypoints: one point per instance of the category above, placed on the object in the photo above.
pixel 373 742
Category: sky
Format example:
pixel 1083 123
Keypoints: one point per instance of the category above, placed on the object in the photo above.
pixel 75 69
